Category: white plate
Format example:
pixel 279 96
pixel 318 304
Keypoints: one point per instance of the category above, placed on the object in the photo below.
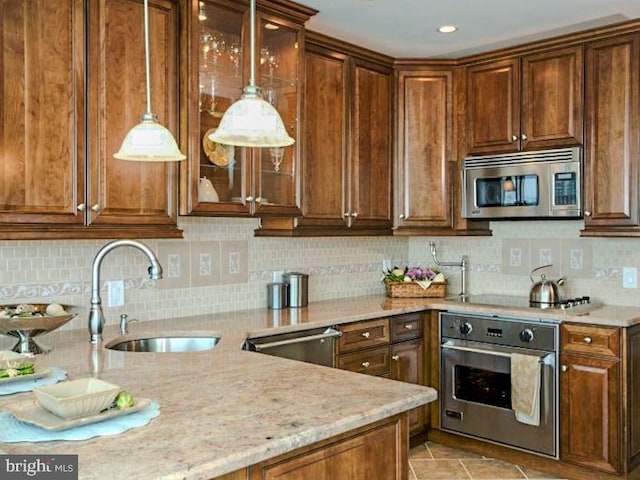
pixel 28 376
pixel 30 411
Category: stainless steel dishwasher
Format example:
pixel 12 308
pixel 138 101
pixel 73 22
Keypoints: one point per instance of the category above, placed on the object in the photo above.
pixel 313 346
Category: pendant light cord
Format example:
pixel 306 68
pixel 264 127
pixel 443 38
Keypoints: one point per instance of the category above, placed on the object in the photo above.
pixel 252 38
pixel 146 56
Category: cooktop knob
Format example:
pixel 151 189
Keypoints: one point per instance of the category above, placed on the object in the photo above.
pixel 526 335
pixel 466 328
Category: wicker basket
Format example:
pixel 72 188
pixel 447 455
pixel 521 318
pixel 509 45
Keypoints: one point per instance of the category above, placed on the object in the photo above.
pixel 413 290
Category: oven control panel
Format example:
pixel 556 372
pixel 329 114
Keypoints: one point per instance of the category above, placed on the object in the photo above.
pixel 499 331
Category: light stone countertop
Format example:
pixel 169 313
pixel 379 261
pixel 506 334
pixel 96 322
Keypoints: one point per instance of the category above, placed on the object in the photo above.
pixel 225 409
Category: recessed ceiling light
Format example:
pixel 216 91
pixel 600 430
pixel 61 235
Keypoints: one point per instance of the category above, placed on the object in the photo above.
pixel 447 29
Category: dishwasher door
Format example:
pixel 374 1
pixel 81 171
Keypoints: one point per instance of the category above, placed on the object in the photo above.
pixel 315 346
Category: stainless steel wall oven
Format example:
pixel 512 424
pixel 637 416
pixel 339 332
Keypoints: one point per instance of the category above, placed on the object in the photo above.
pixel 490 367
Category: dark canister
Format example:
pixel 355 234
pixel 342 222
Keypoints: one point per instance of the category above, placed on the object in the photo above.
pixel 298 288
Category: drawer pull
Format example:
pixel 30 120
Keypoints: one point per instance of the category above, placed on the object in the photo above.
pixel 365 364
pixel 395 357
pixel 366 334
pixel 408 326
pixel 564 368
pixel 588 340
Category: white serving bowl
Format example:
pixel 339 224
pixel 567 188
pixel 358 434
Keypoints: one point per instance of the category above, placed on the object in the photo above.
pixel 77 398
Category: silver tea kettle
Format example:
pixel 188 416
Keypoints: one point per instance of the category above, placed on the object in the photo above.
pixel 545 293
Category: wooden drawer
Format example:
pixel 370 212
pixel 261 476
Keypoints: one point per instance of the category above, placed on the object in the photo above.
pixel 590 339
pixel 356 336
pixel 406 327
pixel 372 362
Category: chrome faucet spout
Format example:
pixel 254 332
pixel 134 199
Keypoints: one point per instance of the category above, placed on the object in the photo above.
pixel 463 264
pixel 96 316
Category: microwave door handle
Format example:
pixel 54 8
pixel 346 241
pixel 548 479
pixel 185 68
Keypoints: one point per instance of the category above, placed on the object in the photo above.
pixel 545 358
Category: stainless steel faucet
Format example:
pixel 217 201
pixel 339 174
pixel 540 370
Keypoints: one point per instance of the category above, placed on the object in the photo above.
pixel 96 317
pixel 462 264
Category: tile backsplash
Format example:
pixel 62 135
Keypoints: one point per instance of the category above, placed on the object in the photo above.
pixel 502 263
pixel 220 266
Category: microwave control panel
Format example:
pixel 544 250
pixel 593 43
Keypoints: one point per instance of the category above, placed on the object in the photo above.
pixel 565 188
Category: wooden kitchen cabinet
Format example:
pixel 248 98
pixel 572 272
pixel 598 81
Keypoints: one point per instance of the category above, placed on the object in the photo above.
pixel 362 335
pixel 376 452
pixel 612 146
pixel 526 102
pixel 425 148
pixel 68 112
pixel 216 56
pixel 590 397
pixel 387 347
pixel 427 190
pixel 346 144
pixel 407 365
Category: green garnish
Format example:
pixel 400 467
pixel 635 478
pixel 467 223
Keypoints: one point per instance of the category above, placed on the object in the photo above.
pixel 25 369
pixel 123 400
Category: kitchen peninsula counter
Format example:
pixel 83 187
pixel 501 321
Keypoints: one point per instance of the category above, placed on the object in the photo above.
pixel 225 409
pixel 220 410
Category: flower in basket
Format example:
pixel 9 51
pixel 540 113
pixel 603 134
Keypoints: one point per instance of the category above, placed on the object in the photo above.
pixel 422 276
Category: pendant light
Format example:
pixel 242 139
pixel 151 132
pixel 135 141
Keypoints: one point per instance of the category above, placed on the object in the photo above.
pixel 149 141
pixel 252 121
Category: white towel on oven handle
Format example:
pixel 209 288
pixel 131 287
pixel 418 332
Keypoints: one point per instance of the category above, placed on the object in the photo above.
pixel 525 388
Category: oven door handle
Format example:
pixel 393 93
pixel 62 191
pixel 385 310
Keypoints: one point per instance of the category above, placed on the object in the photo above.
pixel 544 358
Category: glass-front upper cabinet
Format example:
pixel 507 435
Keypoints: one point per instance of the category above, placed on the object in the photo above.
pixel 225 180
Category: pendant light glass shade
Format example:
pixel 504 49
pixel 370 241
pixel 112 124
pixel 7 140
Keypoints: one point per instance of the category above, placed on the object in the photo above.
pixel 149 141
pixel 252 121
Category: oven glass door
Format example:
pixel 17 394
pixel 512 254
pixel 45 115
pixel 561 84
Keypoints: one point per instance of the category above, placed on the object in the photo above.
pixel 475 387
pixel 482 386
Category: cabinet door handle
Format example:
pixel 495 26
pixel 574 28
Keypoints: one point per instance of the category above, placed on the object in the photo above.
pixel 96 208
pixel 82 207
pixel 514 138
pixel 354 214
pixel 564 368
pixel 408 326
pixel 249 199
pixel 395 357
pixel 365 364
pixel 402 216
pixel 346 214
pixel 587 213
pixel 588 340
pixel 366 334
pixel 523 136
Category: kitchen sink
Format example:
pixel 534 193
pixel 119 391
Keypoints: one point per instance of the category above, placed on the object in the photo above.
pixel 165 342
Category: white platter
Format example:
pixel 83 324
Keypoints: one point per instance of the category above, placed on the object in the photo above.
pixel 28 376
pixel 30 411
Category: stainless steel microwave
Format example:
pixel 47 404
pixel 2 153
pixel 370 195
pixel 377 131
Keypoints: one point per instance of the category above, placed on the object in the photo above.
pixel 541 184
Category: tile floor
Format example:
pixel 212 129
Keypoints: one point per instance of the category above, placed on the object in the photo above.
pixel 431 461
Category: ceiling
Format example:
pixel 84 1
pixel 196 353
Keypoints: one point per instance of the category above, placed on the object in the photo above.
pixel 407 28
